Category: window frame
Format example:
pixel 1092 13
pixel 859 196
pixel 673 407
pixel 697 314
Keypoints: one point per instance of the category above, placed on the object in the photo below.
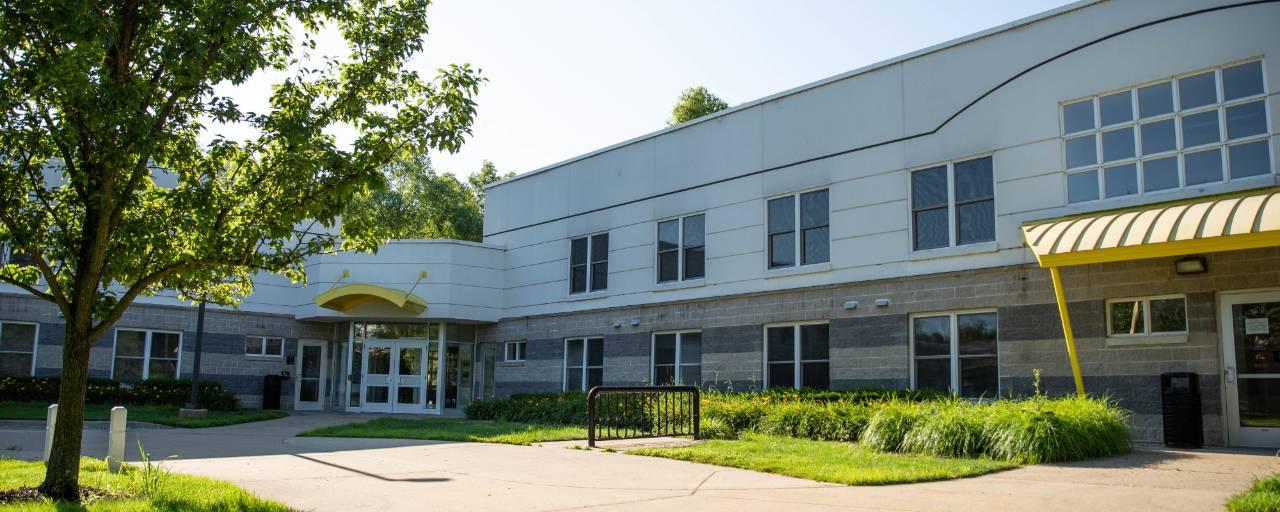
pixel 797 362
pixel 953 206
pixel 1179 152
pixel 681 249
pixel 521 348
pixel 35 343
pixel 263 354
pixel 796 230
pixel 589 283
pixel 953 355
pixel 146 351
pixel 678 361
pixel 586 366
pixel 1146 316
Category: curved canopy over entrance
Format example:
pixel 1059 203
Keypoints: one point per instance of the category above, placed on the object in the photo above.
pixel 345 297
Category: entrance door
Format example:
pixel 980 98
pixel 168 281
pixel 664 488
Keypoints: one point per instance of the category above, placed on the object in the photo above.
pixel 308 387
pixel 409 377
pixel 1251 354
pixel 378 373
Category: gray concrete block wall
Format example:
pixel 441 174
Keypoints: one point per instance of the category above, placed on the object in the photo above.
pixel 732 357
pixel 541 371
pixel 626 359
pixel 870 352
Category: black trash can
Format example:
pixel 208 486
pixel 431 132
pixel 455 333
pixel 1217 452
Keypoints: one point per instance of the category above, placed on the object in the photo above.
pixel 271 385
pixel 1180 400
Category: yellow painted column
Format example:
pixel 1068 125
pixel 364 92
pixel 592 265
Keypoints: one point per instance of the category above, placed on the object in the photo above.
pixel 1066 328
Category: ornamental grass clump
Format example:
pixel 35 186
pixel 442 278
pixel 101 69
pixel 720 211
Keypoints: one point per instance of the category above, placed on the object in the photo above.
pixel 1041 429
pixel 948 428
pixel 833 421
pixel 890 424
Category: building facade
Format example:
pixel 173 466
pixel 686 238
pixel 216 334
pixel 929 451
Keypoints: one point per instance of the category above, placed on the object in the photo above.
pixel 887 227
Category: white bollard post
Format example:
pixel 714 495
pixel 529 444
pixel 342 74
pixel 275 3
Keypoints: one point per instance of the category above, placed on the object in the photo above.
pixel 50 421
pixel 115 443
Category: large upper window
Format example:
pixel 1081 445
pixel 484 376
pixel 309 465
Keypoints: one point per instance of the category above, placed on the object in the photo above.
pixel 797 356
pixel 813 212
pixel 953 204
pixel 957 353
pixel 681 253
pixel 583 363
pixel 589 263
pixel 17 349
pixel 677 358
pixel 1206 127
pixel 141 355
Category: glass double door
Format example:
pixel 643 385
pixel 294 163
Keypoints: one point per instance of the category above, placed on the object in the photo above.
pixel 1251 355
pixel 394 376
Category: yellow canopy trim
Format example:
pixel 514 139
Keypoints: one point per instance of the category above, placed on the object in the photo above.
pixel 344 298
pixel 1227 222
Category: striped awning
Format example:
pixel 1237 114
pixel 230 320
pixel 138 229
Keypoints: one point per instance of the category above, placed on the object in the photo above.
pixel 1227 222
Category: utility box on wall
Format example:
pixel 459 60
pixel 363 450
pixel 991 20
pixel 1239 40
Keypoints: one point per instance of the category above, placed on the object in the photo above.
pixel 1180 401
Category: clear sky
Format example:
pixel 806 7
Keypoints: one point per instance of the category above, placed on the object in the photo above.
pixel 570 76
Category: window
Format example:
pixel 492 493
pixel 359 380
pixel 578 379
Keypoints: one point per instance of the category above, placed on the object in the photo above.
pixel 797 356
pixel 677 358
pixel 264 346
pixel 967 188
pixel 515 351
pixel 589 263
pixel 141 355
pixel 17 349
pixel 814 245
pixel 956 351
pixel 583 363
pixel 681 253
pixel 1207 127
pixel 1147 316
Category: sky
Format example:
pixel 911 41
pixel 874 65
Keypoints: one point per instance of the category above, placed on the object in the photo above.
pixel 566 77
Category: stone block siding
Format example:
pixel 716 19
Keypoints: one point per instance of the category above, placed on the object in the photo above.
pixel 869 345
pixel 222 360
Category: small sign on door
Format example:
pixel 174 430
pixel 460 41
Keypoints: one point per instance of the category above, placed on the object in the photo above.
pixel 1256 326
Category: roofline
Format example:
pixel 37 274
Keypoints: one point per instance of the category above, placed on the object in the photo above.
pixel 1034 18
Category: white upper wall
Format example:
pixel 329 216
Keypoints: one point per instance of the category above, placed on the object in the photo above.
pixel 860 135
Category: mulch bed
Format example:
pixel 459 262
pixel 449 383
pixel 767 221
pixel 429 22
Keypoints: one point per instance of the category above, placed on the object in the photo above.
pixel 21 494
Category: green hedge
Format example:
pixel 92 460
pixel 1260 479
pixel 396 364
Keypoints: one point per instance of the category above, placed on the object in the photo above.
pixel 569 408
pixel 103 391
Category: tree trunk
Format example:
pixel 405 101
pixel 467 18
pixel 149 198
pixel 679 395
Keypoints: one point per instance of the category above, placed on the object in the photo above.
pixel 62 476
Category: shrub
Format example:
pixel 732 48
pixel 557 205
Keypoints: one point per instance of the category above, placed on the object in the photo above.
pixel 569 408
pixel 103 391
pixel 832 421
pixel 948 428
pixel 1040 429
pixel 890 424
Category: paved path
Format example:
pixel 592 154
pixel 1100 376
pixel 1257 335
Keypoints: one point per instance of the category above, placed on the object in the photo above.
pixel 352 474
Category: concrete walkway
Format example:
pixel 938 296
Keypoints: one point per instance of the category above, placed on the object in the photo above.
pixel 355 474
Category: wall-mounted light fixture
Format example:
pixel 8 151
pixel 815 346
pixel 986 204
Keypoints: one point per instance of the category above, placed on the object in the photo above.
pixel 851 304
pixel 1191 265
pixel 617 324
pixel 635 322
pixel 882 303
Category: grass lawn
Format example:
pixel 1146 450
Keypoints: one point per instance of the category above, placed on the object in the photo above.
pixel 826 461
pixel 1264 496
pixel 160 414
pixel 453 429
pixel 165 492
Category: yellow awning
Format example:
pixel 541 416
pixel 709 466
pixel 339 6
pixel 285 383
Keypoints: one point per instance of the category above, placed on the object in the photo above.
pixel 346 297
pixel 1228 222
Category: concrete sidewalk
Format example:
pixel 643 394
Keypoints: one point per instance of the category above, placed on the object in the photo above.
pixel 359 474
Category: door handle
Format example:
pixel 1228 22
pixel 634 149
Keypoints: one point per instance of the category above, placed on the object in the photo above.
pixel 1230 373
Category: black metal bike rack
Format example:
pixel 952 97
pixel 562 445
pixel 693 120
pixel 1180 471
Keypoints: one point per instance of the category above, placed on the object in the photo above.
pixel 638 412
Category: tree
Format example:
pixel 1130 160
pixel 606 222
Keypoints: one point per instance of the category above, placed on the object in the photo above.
pixel 487 175
pixel 96 98
pixel 695 102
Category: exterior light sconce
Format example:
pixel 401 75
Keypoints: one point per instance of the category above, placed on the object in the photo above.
pixel 1191 265
pixel 617 324
pixel 882 303
pixel 635 322
pixel 851 304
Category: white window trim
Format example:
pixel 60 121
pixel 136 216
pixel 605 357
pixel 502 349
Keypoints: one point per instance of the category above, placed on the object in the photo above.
pixel 588 292
pixel 1146 317
pixel 954 355
pixel 680 248
pixel 795 230
pixel 564 366
pixel 796 362
pixel 263 354
pixel 1178 153
pixel 679 360
pixel 953 242
pixel 522 348
pixel 146 354
pixel 35 343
